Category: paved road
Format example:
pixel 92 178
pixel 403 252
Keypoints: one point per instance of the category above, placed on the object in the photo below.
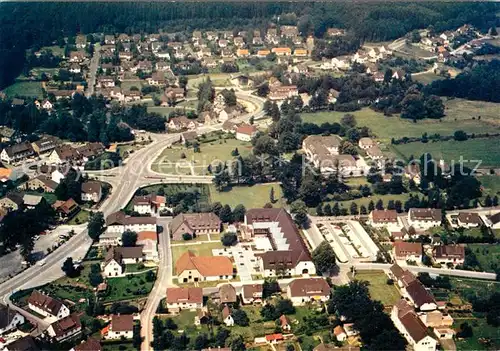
pixel 94 63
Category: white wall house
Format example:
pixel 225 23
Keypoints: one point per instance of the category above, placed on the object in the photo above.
pixel 424 218
pixel 47 306
pixel 9 319
pixel 121 326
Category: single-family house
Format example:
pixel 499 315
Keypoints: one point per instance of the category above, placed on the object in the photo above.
pixel 91 344
pixel 339 333
pixel 246 132
pixel 227 294
pixel 227 318
pixel 117 257
pixel 65 328
pixel 424 218
pixel 449 254
pixel 408 251
pixel 26 343
pixel 303 290
pixel 252 294
pixel 10 319
pixel 47 306
pixel 121 326
pixel 411 327
pixel 66 209
pixel 41 182
pixel 149 242
pixel 12 202
pixel 420 296
pixel 383 218
pixel 469 220
pixel 91 191
pixel 285 323
pixel 184 299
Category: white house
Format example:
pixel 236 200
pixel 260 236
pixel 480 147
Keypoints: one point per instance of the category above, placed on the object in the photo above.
pixel 384 218
pixel 227 318
pixel 424 218
pixel 120 222
pixel 303 290
pixel 65 328
pixel 149 243
pixel 9 319
pixel 245 132
pixel 339 333
pixel 47 306
pixel 184 299
pixel 411 327
pixel 469 220
pixel 91 191
pixel 116 257
pixel 121 326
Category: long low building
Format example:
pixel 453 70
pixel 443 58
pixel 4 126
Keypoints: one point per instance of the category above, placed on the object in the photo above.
pixel 120 222
pixel 289 254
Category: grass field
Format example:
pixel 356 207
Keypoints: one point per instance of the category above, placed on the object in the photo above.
pixel 379 290
pixel 480 329
pixel 483 149
pixel 165 110
pixel 388 127
pixel 488 255
pixel 170 160
pixel 204 249
pixel 250 196
pixel 81 217
pixel 426 78
pixel 127 84
pixel 28 89
pixel 129 287
pixel 56 50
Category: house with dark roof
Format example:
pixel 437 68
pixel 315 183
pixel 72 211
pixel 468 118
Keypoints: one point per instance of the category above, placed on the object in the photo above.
pixel 41 182
pixel 227 294
pixel 117 257
pixel 120 222
pixel 252 293
pixel 192 268
pixel 121 326
pixel 303 290
pixel 289 254
pixel 26 343
pixel 66 209
pixel 65 328
pixel 468 220
pixel 12 201
pixel 9 319
pixel 424 218
pixel 91 191
pixel 493 221
pixel 148 204
pixel 45 144
pixel 17 152
pixel 184 299
pixel 420 296
pixel 384 218
pixel 408 251
pixel 411 327
pixel 47 306
pixel 194 224
pixel 90 345
pixel 449 254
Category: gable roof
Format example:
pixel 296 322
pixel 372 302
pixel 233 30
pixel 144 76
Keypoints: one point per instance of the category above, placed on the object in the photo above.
pixel 6 315
pixel 20 148
pixel 252 290
pixel 91 187
pixel 120 218
pixel 90 345
pixel 23 344
pixel 413 325
pixel 309 287
pixel 450 251
pixel 120 253
pixel 147 235
pixel 49 183
pixel 196 221
pixel 296 251
pixel 425 214
pixel 419 294
pixel 122 322
pixel 66 325
pixel 207 266
pixel 383 216
pixel 189 295
pixel 45 302
pixel 227 293
pixel 404 248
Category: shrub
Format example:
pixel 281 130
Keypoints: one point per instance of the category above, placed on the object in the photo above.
pixel 187 236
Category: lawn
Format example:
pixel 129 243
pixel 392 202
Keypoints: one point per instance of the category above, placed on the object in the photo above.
pixel 26 88
pixel 81 217
pixel 472 150
pixel 122 346
pixel 388 127
pixel 488 255
pixel 204 249
pixel 127 84
pixel 255 196
pixel 379 290
pixel 129 287
pixel 165 110
pixel 257 326
pixel 171 160
pixel 56 50
pixel 426 78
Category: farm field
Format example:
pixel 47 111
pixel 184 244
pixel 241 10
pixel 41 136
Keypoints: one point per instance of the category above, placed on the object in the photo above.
pixel 250 196
pixel 386 128
pixel 170 160
pixel 379 290
pixel 484 149
pixel 24 88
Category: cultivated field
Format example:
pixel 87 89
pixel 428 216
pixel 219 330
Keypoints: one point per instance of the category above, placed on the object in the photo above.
pixel 484 149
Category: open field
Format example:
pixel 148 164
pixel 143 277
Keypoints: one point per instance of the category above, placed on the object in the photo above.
pixel 379 290
pixel 426 78
pixel 24 88
pixel 250 196
pixel 204 249
pixel 488 255
pixel 81 217
pixel 56 50
pixel 395 127
pixel 483 149
pixel 129 287
pixel 171 160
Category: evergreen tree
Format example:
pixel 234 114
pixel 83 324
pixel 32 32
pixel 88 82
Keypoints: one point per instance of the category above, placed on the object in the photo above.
pixel 327 210
pixel 379 205
pixel 371 206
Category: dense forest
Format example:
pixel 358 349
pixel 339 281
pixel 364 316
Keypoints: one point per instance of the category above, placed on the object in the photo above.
pixel 23 25
pixel 479 83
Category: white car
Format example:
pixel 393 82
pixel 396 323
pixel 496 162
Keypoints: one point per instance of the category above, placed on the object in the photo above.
pixel 41 263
